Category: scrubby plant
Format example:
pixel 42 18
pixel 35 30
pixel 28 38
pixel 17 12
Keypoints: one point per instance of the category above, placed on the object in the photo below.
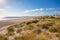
pixel 26 36
pixel 32 21
pixel 35 21
pixel 49 24
pixel 52 17
pixel 57 34
pixel 29 27
pixel 18 30
pixel 39 25
pixel 46 16
pixel 52 29
pixel 45 27
pixel 19 38
pixel 22 24
pixel 16 26
pixel 36 31
pixel 28 23
pixel 9 33
pixel 10 29
pixel 2 37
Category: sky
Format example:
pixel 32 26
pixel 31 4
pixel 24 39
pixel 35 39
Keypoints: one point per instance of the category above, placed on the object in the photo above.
pixel 28 7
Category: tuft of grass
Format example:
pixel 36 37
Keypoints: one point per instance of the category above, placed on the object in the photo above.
pixel 18 30
pixel 10 29
pixel 2 37
pixel 52 29
pixel 9 34
pixel 29 27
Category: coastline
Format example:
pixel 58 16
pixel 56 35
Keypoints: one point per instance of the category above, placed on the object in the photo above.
pixel 7 22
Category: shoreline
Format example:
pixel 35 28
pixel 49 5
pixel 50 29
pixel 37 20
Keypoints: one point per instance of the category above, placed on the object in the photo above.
pixel 4 23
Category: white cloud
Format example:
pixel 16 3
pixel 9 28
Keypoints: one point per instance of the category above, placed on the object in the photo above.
pixel 50 8
pixel 41 9
pixel 2 10
pixel 33 10
pixel 26 11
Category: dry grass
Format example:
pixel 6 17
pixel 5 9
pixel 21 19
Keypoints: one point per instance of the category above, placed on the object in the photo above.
pixel 47 28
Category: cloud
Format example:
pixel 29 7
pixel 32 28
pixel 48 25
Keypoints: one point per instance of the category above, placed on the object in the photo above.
pixel 2 10
pixel 41 9
pixel 7 11
pixel 2 13
pixel 50 9
pixel 33 10
pixel 26 11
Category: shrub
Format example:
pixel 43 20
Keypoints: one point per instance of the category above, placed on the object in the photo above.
pixel 19 38
pixel 52 29
pixel 26 36
pixel 10 29
pixel 58 29
pixel 18 30
pixel 52 17
pixel 49 24
pixel 39 25
pixel 46 16
pixel 35 21
pixel 45 27
pixel 16 26
pixel 57 34
pixel 28 23
pixel 2 37
pixel 29 27
pixel 9 33
pixel 32 21
pixel 36 31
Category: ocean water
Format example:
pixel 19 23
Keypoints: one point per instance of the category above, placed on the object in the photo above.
pixel 1 19
pixel 8 18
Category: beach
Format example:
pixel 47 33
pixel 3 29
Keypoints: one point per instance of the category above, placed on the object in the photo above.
pixel 11 21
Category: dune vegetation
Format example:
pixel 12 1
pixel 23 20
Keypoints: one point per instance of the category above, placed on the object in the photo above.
pixel 40 28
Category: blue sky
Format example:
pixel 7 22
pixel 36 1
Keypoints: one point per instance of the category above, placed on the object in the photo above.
pixel 28 7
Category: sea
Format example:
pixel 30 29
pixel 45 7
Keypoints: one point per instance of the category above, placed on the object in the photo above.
pixel 8 18
pixel 1 19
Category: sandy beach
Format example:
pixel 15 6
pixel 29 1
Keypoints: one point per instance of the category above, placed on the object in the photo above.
pixel 4 23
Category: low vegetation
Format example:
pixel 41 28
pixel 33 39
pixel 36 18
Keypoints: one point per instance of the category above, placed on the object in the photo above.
pixel 46 28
